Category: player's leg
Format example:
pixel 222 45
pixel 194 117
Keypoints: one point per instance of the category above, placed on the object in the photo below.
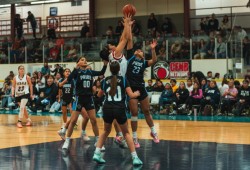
pixel 84 125
pixel 92 117
pixel 133 105
pixel 119 136
pixel 145 109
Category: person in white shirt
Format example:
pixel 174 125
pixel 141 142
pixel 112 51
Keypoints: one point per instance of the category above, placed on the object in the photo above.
pixel 189 85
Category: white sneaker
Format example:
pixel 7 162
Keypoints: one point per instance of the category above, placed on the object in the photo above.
pixel 51 110
pixel 85 138
pixel 39 111
pixel 11 104
pixel 61 134
pixel 102 149
pixel 99 111
pixel 66 144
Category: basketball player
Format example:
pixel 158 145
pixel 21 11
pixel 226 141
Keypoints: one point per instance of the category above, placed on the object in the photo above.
pixel 114 53
pixel 135 75
pixel 114 107
pixel 22 90
pixel 84 96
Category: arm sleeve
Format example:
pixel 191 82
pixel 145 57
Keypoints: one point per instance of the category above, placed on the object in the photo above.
pixel 99 73
pixel 130 54
pixel 73 75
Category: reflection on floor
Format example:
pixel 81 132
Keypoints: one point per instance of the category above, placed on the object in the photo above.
pixel 172 155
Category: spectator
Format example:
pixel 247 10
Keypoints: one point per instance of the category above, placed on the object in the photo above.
pixel 45 69
pixel 209 75
pixel 166 27
pixel 72 54
pixel 176 50
pixel 31 18
pixel 6 90
pixel 152 24
pixel 237 84
pixel 60 41
pixel 49 94
pixel 204 86
pixel 193 99
pixel 225 25
pixel 210 48
pixel 136 29
pixel 229 98
pixel 173 85
pixel 58 78
pixel 213 24
pixel 11 75
pixel 181 96
pixel 3 57
pixel 54 54
pixel 110 32
pixel 40 81
pixel 243 98
pixel 217 76
pixel 241 33
pixel 18 25
pixel 201 50
pixel 223 86
pixel 53 24
pixel 211 96
pixel 150 87
pixel 204 24
pixel 167 96
pixel 84 29
pixel 158 86
pixel 221 48
pixel 189 85
pixel 246 50
pixel 58 69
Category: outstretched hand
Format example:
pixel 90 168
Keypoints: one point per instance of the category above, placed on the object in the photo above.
pixel 153 44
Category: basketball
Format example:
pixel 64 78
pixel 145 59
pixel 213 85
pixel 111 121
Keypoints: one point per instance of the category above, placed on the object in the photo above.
pixel 129 9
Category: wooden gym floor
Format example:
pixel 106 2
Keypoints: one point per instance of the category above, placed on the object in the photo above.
pixel 186 143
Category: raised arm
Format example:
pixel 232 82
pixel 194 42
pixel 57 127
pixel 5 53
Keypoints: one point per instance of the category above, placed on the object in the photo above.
pixel 154 57
pixel 130 36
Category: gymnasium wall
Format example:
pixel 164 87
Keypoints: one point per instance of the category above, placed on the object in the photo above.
pixel 110 12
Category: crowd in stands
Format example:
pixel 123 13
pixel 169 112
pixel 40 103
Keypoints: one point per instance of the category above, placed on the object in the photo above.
pixel 203 93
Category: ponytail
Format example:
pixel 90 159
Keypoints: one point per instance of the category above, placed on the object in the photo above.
pixel 113 85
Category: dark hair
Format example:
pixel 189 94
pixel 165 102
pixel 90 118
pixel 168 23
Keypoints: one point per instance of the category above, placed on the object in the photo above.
pixel 150 80
pixel 209 72
pixel 246 81
pixel 114 69
pixel 20 66
pixel 173 80
pixel 66 69
pixel 104 54
pixel 224 81
pixel 79 58
pixel 51 76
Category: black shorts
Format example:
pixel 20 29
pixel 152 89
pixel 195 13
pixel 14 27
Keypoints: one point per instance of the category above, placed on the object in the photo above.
pixel 143 92
pixel 118 114
pixel 19 98
pixel 83 101
pixel 66 102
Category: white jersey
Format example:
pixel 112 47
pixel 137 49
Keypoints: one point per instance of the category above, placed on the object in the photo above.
pixel 22 86
pixel 122 61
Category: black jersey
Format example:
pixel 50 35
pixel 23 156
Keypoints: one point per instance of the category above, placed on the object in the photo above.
pixel 135 70
pixel 67 90
pixel 84 80
pixel 119 100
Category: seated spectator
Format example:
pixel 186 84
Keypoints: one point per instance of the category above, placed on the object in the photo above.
pixel 185 49
pixel 181 96
pixel 150 87
pixel 201 52
pixel 237 84
pixel 243 98
pixel 221 48
pixel 3 57
pixel 58 77
pixel 158 86
pixel 119 29
pixel 223 86
pixel 189 85
pixel 167 96
pixel 229 98
pixel 72 54
pixel 11 75
pixel 60 42
pixel 136 29
pixel 48 95
pixel 45 69
pixel 173 85
pixel 210 48
pixel 6 91
pixel 217 76
pixel 211 97
pixel 193 99
pixel 209 75
pixel 54 54
pixel 176 50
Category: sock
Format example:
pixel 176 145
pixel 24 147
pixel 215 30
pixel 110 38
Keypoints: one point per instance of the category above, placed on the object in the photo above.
pixel 64 130
pixel 153 130
pixel 96 138
pixel 29 120
pixel 184 106
pixel 134 154
pixel 83 132
pixel 134 134
pixel 68 138
pixel 120 134
pixel 97 150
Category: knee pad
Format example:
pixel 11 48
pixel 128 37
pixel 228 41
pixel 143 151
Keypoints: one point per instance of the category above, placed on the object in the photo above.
pixel 134 118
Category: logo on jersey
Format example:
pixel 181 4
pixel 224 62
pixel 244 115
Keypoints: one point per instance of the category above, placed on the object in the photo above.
pixel 161 70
